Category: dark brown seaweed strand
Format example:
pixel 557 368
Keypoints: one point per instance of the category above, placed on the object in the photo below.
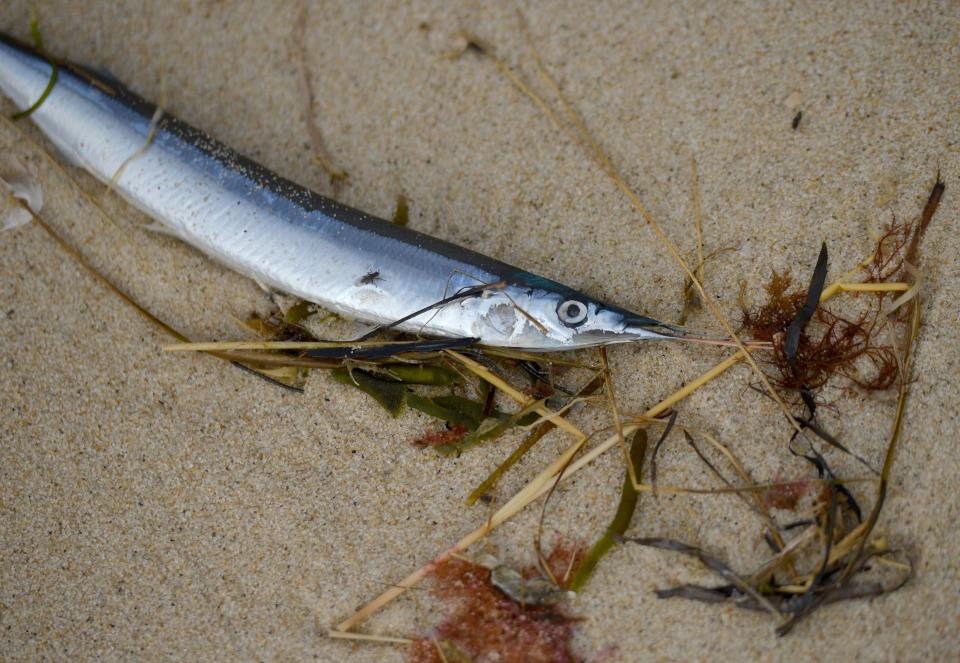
pixel 542 378
pixel 786 604
pixel 808 600
pixel 706 461
pixel 656 450
pixel 817 281
pixel 753 502
pixel 697 593
pixel 933 202
pixel 815 428
pixel 809 423
pixel 710 562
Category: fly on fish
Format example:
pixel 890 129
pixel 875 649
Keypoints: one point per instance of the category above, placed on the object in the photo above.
pixel 293 239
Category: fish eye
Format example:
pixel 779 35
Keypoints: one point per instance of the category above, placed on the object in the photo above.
pixel 572 313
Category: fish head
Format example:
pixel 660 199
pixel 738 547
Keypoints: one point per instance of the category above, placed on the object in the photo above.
pixel 534 313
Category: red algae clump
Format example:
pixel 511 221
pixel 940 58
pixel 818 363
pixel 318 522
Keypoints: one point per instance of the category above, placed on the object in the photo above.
pixel 833 345
pixel 485 625
pixel 439 438
pixel 787 495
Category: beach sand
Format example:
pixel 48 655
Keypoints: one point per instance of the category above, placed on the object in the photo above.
pixel 157 506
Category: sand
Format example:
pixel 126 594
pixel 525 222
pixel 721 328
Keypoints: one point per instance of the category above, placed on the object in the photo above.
pixel 156 506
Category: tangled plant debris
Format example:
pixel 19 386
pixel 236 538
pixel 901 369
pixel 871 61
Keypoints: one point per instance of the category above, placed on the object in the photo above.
pixel 832 345
pixel 793 583
pixel 825 553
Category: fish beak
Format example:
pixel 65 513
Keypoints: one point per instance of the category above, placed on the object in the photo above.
pixel 638 327
pixel 612 325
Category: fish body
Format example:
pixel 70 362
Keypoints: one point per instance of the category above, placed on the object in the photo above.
pixel 292 239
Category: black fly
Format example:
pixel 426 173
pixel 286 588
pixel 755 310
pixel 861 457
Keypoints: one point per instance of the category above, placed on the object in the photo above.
pixel 370 277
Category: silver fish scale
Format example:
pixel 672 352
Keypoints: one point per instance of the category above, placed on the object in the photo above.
pixel 290 238
pixel 224 211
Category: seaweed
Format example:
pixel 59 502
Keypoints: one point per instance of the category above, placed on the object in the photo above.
pixel 836 345
pixel 621 519
pixel 779 601
pixel 451 434
pixel 54 68
pixel 848 347
pixel 390 394
pixel 420 373
pixel 484 623
pixel 811 346
pixel 838 520
pixel 911 256
pixel 787 494
pixel 791 341
pixel 710 562
pixel 656 449
pixel 538 433
pixel 469 422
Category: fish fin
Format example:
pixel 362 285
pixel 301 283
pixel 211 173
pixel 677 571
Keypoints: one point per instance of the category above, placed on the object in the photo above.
pixel 23 187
